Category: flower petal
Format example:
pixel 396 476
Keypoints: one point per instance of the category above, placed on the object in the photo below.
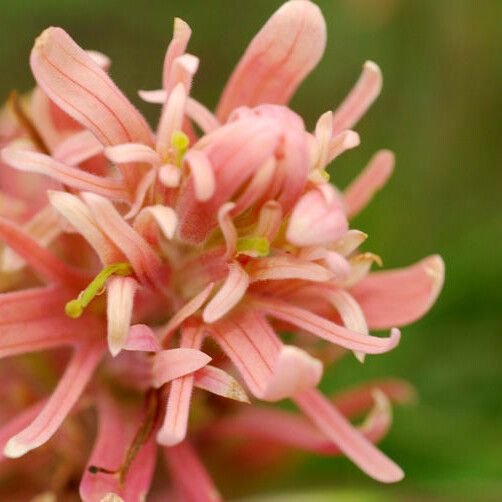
pixel 219 382
pixel 132 152
pixel 142 338
pixel 77 148
pixel 277 60
pixel 202 174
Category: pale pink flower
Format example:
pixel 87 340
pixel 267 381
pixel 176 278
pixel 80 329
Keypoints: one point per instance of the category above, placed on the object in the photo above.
pixel 233 236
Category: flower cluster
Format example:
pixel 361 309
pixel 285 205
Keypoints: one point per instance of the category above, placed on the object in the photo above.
pixel 173 260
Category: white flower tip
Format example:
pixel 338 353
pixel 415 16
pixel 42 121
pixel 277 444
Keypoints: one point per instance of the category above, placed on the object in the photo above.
pixel 372 68
pixel 115 346
pixel 181 27
pixel 112 497
pixel 351 139
pixel 15 449
pixel 170 437
pixel 435 269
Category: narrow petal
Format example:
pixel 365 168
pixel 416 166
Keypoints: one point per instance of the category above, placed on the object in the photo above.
pixel 230 293
pixel 337 264
pixel 102 60
pixel 132 152
pixel 157 96
pixel 201 116
pixel 287 267
pixel 277 60
pixel 73 80
pixel 142 338
pixel 116 428
pixel 228 228
pixel 119 305
pixel 143 259
pixel 359 99
pixel 143 191
pixel 78 214
pixel 188 309
pixel 170 175
pixel 177 47
pixel 174 428
pixel 295 371
pixel 349 242
pixel 323 134
pixel 340 143
pixel 163 216
pixel 360 267
pixel 77 148
pixel 270 220
pixel 175 363
pixel 325 329
pixel 317 219
pixel 337 428
pixel 66 394
pixel 374 176
pixel 202 174
pixel 219 382
pixel 400 297
pixel 35 162
pixel 189 475
pixel 40 259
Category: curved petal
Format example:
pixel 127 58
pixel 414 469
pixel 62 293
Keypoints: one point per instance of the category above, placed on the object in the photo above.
pixel 219 382
pixel 277 60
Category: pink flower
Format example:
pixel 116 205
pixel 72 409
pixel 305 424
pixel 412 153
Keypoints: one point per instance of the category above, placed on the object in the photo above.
pixel 147 245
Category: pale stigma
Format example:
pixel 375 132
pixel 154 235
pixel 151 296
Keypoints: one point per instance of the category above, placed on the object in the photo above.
pixel 257 247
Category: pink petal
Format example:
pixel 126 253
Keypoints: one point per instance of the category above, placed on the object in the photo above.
pixel 217 381
pixel 170 175
pixel 202 174
pixel 399 297
pixel 360 266
pixel 188 309
pixel 277 60
pixel 337 428
pixel 40 259
pixel 374 176
pixel 143 190
pixel 346 140
pixel 77 148
pixel 336 263
pixel 317 219
pixel 35 162
pixel 295 371
pixel 174 428
pixel 177 47
pixel 201 116
pixel 270 220
pixel 349 242
pixel 143 259
pixel 175 363
pixel 189 475
pixel 228 228
pixel 132 152
pixel 142 338
pixel 325 329
pixel 163 216
pixel 229 295
pixel 251 345
pixel 78 214
pixel 116 429
pixel 119 306
pixel 82 89
pixel 360 98
pixel 66 394
pixel 158 96
pixel 102 60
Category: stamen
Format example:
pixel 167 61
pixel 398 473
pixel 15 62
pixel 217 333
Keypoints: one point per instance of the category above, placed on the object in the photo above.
pixel 25 122
pixel 75 308
pixel 253 246
pixel 140 438
pixel 180 143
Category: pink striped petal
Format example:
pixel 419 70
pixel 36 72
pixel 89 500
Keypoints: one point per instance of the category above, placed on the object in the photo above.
pixel 116 428
pixel 325 329
pixel 66 394
pixel 77 148
pixel 177 47
pixel 317 219
pixel 188 309
pixel 400 297
pixel 34 162
pixel 142 338
pixel 359 99
pixel 143 259
pixel 287 267
pixel 40 259
pixel 189 475
pixel 120 293
pixel 277 60
pixel 174 428
pixel 219 382
pixel 229 295
pixel 78 214
pixel 82 89
pixel 202 174
pixel 352 442
pixel 294 372
pixel 251 345
pixel 199 114
pixel 132 152
pixel 175 363
pixel 374 176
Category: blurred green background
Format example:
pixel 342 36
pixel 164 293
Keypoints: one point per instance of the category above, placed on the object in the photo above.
pixel 440 111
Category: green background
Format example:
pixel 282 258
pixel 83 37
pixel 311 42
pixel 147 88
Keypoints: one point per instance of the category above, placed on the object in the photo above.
pixel 440 111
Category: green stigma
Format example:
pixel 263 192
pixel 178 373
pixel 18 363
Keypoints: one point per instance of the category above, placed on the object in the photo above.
pixel 180 142
pixel 75 308
pixel 324 174
pixel 253 246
